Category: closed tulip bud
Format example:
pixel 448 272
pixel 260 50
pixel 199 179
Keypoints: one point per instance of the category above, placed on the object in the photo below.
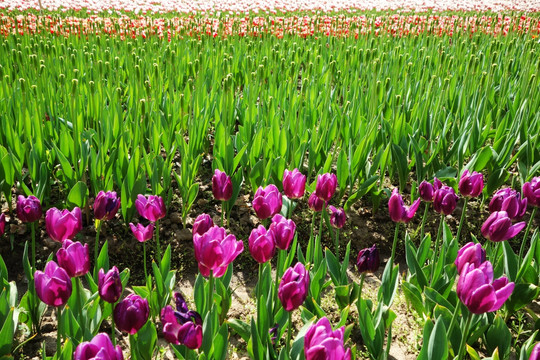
pixel 535 354
pixel 151 208
pixel 53 286
pixel 2 224
pixel 294 184
pixel 398 211
pixel 294 286
pixel 267 201
pixel 531 191
pixel 510 201
pixel 74 258
pixel 445 200
pixel 471 185
pixel 28 209
pixel 498 227
pixel 109 285
pixel 215 250
pixel 202 224
pixel 63 224
pixel 337 217
pixel 470 253
pixel 221 186
pixel 100 347
pixel 182 327
pixel 142 233
pixel 131 314
pixel 106 205
pixel 315 203
pixel 326 186
pixel 262 245
pixel 283 231
pixel 321 342
pixel 427 191
pixel 368 259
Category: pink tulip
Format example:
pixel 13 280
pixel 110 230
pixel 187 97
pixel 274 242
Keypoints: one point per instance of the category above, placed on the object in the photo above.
pixel 63 224
pixel 215 250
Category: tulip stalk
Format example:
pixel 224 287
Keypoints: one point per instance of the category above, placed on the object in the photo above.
pixel 394 244
pixel 33 231
pixel 144 261
pixel 462 220
pixel 424 222
pixel 289 333
pixel 463 343
pixel 210 291
pixel 96 248
pixel 113 326
pixel 59 331
pixel 522 248
pixel 158 247
pixel 436 247
pixel 362 277
pixel 336 243
pixel 309 255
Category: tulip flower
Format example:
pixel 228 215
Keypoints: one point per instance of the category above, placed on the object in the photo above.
pixel 427 191
pixel 445 200
pixel 294 184
pixel 53 286
pixel 535 354
pixel 479 292
pixel 294 286
pixel 498 227
pixel 202 224
pixel 321 342
pixel 368 259
pixel 215 250
pixel 471 185
pixel 531 191
pixel 262 245
pixel 131 313
pixel 398 211
pixel 74 258
pixel 315 203
pixel 100 347
pixel 510 201
pixel 110 285
pixel 470 253
pixel 2 224
pixel 182 327
pixel 106 205
pixel 326 186
pixel 283 231
pixel 28 209
pixel 63 224
pixel 142 233
pixel 337 217
pixel 221 186
pixel 267 201
pixel 151 208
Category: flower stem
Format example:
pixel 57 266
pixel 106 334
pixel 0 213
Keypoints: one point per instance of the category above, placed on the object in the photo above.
pixel 144 262
pixel 424 222
pixel 394 244
pixel 222 212
pixel 436 247
pixel 309 256
pixel 59 332
pixel 336 243
pixel 113 326
pixel 463 343
pixel 77 281
pixel 158 247
pixel 362 277
pixel 210 291
pixel 96 249
pixel 522 248
pixel 278 276
pixel 33 231
pixel 289 333
pixel 462 219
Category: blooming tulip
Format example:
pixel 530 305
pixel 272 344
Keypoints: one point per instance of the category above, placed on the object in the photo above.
pixel 326 186
pixel 315 203
pixel 221 186
pixel 142 233
pixel 202 224
pixel 63 224
pixel 445 200
pixel 321 342
pixel 214 251
pixel 2 224
pixel 498 227
pixel 106 205
pixel 398 211
pixel 470 253
pixel 531 191
pixel 131 313
pixel 53 286
pixel 28 209
pixel 283 231
pixel 74 258
pixel 368 259
pixel 294 184
pixel 535 354
pixel 294 286
pixel 262 245
pixel 151 208
pixel 471 185
pixel 427 191
pixel 337 217
pixel 110 285
pixel 267 201
pixel 479 292
pixel 99 348
pixel 182 326
pixel 510 201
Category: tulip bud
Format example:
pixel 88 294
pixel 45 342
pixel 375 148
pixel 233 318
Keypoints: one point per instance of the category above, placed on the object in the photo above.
pixel 294 286
pixel 445 200
pixel 337 217
pixel 283 231
pixel 221 186
pixel 267 201
pixel 498 227
pixel 326 186
pixel 74 258
pixel 315 203
pixel 131 314
pixel 28 209
pixel 294 184
pixel 368 259
pixel 471 185
pixel 531 191
pixel 106 205
pixel 53 286
pixel 110 285
pixel 202 224
pixel 100 347
pixel 262 245
pixel 510 201
pixel 142 233
pixel 470 253
pixel 535 354
pixel 398 211
pixel 427 191
pixel 150 207
pixel 63 224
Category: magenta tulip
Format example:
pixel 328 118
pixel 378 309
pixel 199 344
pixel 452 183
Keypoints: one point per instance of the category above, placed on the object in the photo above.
pixel 471 185
pixel 28 209
pixel 398 211
pixel 63 224
pixel 294 286
pixel 535 354
pixel 283 231
pixel 326 186
pixel 498 227
pixel 106 205
pixel 53 286
pixel 202 224
pixel 531 191
pixel 110 285
pixel 368 259
pixel 445 200
pixel 470 253
pixel 510 201
pixel 221 186
pixel 321 342
pixel 315 203
pixel 182 327
pixel 74 258
pixel 2 224
pixel 151 207
pixel 142 233
pixel 99 348
pixel 294 184
pixel 427 191
pixel 262 245
pixel 267 201
pixel 131 314
pixel 337 217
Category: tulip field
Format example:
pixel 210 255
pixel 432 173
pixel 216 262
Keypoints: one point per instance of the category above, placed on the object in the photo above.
pixel 147 144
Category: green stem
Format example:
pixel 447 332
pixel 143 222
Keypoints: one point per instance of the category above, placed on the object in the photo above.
pixel 113 327
pixel 210 291
pixel 144 262
pixel 222 212
pixel 96 248
pixel 33 231
pixel 158 247
pixel 59 332
pixel 462 219
pixel 453 321
pixel 362 277
pixel 309 256
pixel 424 222
pixel 336 243
pixel 522 248
pixel 289 333
pixel 394 244
pixel 463 343
pixel 278 276
pixel 436 247
pixel 79 301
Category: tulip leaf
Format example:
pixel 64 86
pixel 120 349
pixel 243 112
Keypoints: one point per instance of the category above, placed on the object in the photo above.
pixel 414 267
pixel 496 179
pixel 333 267
pixel 414 296
pixel 510 261
pixel 220 343
pixel 143 343
pixel 297 348
pixel 498 336
pixel 7 333
pixel 78 195
pixel 438 346
pixel 241 328
pixel 256 175
pixel 389 284
pixel 472 353
pixel 362 190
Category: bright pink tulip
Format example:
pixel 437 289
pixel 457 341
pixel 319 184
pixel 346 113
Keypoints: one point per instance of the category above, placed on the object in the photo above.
pixel 215 250
pixel 531 191
pixel 99 348
pixel 142 233
pixel 294 184
pixel 262 245
pixel 74 258
pixel 398 211
pixel 202 224
pixel 315 203
pixel 221 186
pixel 53 286
pixel 283 231
pixel 326 186
pixel 106 205
pixel 151 207
pixel 267 201
pixel 509 200
pixel 535 354
pixel 63 224
pixel 498 227
pixel 470 253
pixel 321 342
pixel 28 209
pixel 294 286
pixel 2 224
pixel 427 191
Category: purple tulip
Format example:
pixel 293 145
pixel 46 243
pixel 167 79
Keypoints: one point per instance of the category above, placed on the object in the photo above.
pixel 326 186
pixel 131 313
pixel 182 326
pixel 221 186
pixel 315 203
pixel 294 184
pixel 470 253
pixel 445 200
pixel 398 211
pixel 110 285
pixel 262 245
pixel 531 191
pixel 498 227
pixel 479 292
pixel 471 185
pixel 151 208
pixel 99 348
pixel 535 354
pixel 2 224
pixel 106 205
pixel 427 191
pixel 294 286
pixel 28 209
pixel 321 342
pixel 215 250
pixel 368 259
pixel 510 201
pixel 53 286
pixel 202 224
pixel 337 217
pixel 283 231
pixel 142 233
pixel 63 224
pixel 267 201
pixel 74 258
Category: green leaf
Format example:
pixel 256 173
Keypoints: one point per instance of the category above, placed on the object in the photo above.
pixel 438 346
pixel 241 328
pixel 498 336
pixel 510 261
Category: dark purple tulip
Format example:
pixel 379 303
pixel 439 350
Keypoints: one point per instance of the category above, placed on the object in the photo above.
pixel 470 253
pixel 106 205
pixel 2 224
pixel 63 224
pixel 498 227
pixel 471 185
pixel 273 333
pixel 215 250
pixel 368 259
pixel 267 201
pixel 294 184
pixel 535 354
pixel 294 286
pixel 479 292
pixel 321 342
pixel 28 209
pixel 326 186
pixel 337 217
pixel 221 186
pixel 510 201
pixel 131 313
pixel 398 211
pixel 445 200
pixel 315 203
pixel 74 258
pixel 531 191
pixel 262 245
pixel 151 208
pixel 427 191
pixel 110 285
pixel 142 233
pixel 283 231
pixel 99 348
pixel 202 224
pixel 53 286
pixel 182 326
